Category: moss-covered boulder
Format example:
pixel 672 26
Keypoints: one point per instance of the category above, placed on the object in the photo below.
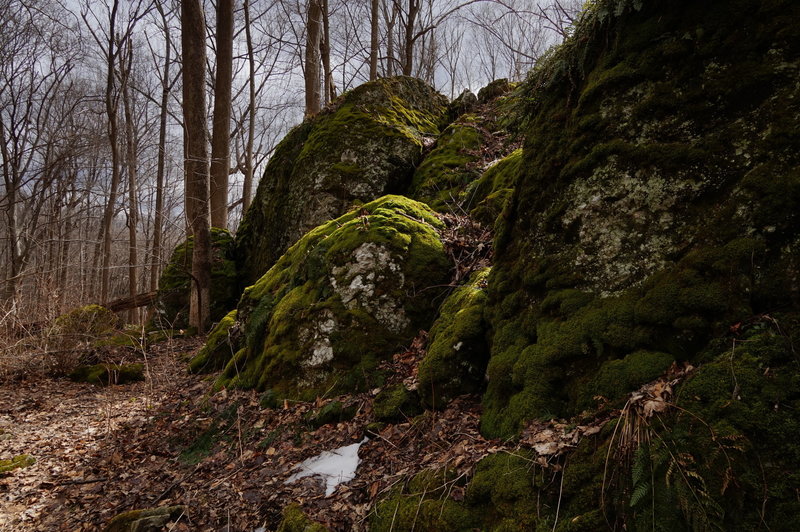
pixel 107 374
pixel 174 284
pixel 489 195
pixel 657 202
pixel 395 404
pixel 656 219
pixel 364 145
pixel 348 294
pixel 85 324
pixel 147 520
pixel 458 352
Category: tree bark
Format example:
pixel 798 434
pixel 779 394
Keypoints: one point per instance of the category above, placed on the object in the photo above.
pixel 158 216
pixel 221 134
pixel 325 52
pixel 196 162
pixel 408 53
pixel 313 29
pixel 373 41
pixel 132 163
pixel 247 186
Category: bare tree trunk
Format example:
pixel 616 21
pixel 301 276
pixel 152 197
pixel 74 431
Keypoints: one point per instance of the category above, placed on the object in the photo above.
pixel 113 141
pixel 221 134
pixel 313 29
pixel 131 156
pixel 247 186
pixel 325 52
pixel 390 20
pixel 408 52
pixel 158 217
pixel 373 41
pixel 15 266
pixel 196 162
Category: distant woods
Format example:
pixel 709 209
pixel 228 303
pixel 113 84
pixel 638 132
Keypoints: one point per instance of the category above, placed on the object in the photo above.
pixel 98 134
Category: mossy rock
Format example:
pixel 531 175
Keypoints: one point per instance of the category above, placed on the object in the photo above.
pixel 347 295
pixel 295 520
pixel 458 349
pixel 174 284
pixel 147 520
pixel 489 195
pixel 106 374
pixel 85 324
pixel 642 222
pixel 452 165
pixel 494 90
pixel 333 412
pixel 395 404
pixel 364 145
pixel 216 352
pixel 423 504
pixel 17 462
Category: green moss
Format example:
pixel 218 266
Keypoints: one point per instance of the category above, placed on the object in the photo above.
pixel 145 520
pixel 396 404
pixel 491 193
pixel 17 462
pixel 294 520
pixel 617 378
pixel 365 145
pixel 458 352
pixel 447 170
pixel 424 504
pixel 216 352
pixel 174 285
pixel 106 374
pixel 333 412
pixel 85 324
pixel 339 300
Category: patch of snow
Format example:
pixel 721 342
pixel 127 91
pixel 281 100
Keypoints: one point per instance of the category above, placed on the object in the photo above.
pixel 335 467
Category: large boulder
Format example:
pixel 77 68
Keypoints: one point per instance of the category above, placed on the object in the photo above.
pixel 655 225
pixel 345 296
pixel 365 145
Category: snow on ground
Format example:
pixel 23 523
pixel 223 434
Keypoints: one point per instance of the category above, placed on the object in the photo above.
pixel 335 467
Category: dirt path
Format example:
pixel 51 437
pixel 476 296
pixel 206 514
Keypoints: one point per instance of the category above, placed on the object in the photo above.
pixel 224 457
pixel 71 429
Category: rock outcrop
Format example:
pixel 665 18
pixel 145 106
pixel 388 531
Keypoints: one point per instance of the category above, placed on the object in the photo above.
pixel 363 146
pixel 345 296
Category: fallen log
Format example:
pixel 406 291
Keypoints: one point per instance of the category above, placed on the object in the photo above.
pixel 127 303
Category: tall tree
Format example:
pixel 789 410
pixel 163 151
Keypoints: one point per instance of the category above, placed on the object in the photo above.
pixel 374 38
pixel 193 33
pixel 312 65
pixel 221 132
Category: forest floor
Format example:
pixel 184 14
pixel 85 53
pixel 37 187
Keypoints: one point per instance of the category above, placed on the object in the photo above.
pixel 224 457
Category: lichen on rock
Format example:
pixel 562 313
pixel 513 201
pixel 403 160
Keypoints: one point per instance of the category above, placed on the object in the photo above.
pixel 348 294
pixel 364 145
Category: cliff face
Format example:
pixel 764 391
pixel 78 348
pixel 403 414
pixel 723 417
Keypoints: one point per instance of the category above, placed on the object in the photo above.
pixel 647 242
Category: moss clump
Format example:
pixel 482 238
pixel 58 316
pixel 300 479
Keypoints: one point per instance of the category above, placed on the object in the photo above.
pixel 423 504
pixel 16 462
pixel 458 352
pixel 174 284
pixel 396 403
pixel 347 294
pixel 491 193
pixel 295 520
pixel 365 145
pixel 450 166
pixel 333 412
pixel 463 104
pixel 145 520
pixel 616 378
pixel 85 324
pixel 107 374
pixel 216 352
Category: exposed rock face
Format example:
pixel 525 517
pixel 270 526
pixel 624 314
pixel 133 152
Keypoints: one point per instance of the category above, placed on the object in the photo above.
pixel 657 220
pixel 347 294
pixel 365 145
pixel 174 284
